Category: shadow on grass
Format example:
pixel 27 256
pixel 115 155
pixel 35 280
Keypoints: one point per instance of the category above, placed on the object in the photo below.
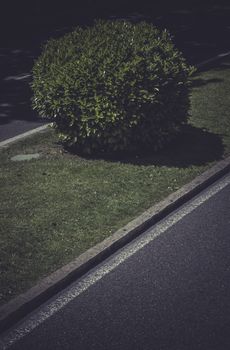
pixel 193 146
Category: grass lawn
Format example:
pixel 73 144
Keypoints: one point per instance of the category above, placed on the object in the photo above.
pixel 55 207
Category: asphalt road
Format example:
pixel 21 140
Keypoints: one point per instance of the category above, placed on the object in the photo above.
pixel 169 289
pixel 16 114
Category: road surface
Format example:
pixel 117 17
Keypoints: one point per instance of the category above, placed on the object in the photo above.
pixel 167 290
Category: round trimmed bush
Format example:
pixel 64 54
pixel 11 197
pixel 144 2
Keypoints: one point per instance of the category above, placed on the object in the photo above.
pixel 112 87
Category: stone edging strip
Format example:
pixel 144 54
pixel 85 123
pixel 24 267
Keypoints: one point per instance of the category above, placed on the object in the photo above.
pixel 19 307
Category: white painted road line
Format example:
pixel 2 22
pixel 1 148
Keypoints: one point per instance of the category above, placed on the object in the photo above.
pixel 213 59
pixel 22 136
pixel 80 286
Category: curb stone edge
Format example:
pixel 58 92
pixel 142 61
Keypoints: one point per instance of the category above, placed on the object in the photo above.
pixel 25 303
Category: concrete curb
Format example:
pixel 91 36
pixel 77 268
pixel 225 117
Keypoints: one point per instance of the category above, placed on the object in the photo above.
pixel 8 142
pixel 25 303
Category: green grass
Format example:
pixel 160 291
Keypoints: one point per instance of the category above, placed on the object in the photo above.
pixel 55 207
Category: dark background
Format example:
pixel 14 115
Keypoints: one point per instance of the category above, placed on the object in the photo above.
pixel 18 16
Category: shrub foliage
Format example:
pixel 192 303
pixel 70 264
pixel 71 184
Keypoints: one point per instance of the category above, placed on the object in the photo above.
pixel 114 86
